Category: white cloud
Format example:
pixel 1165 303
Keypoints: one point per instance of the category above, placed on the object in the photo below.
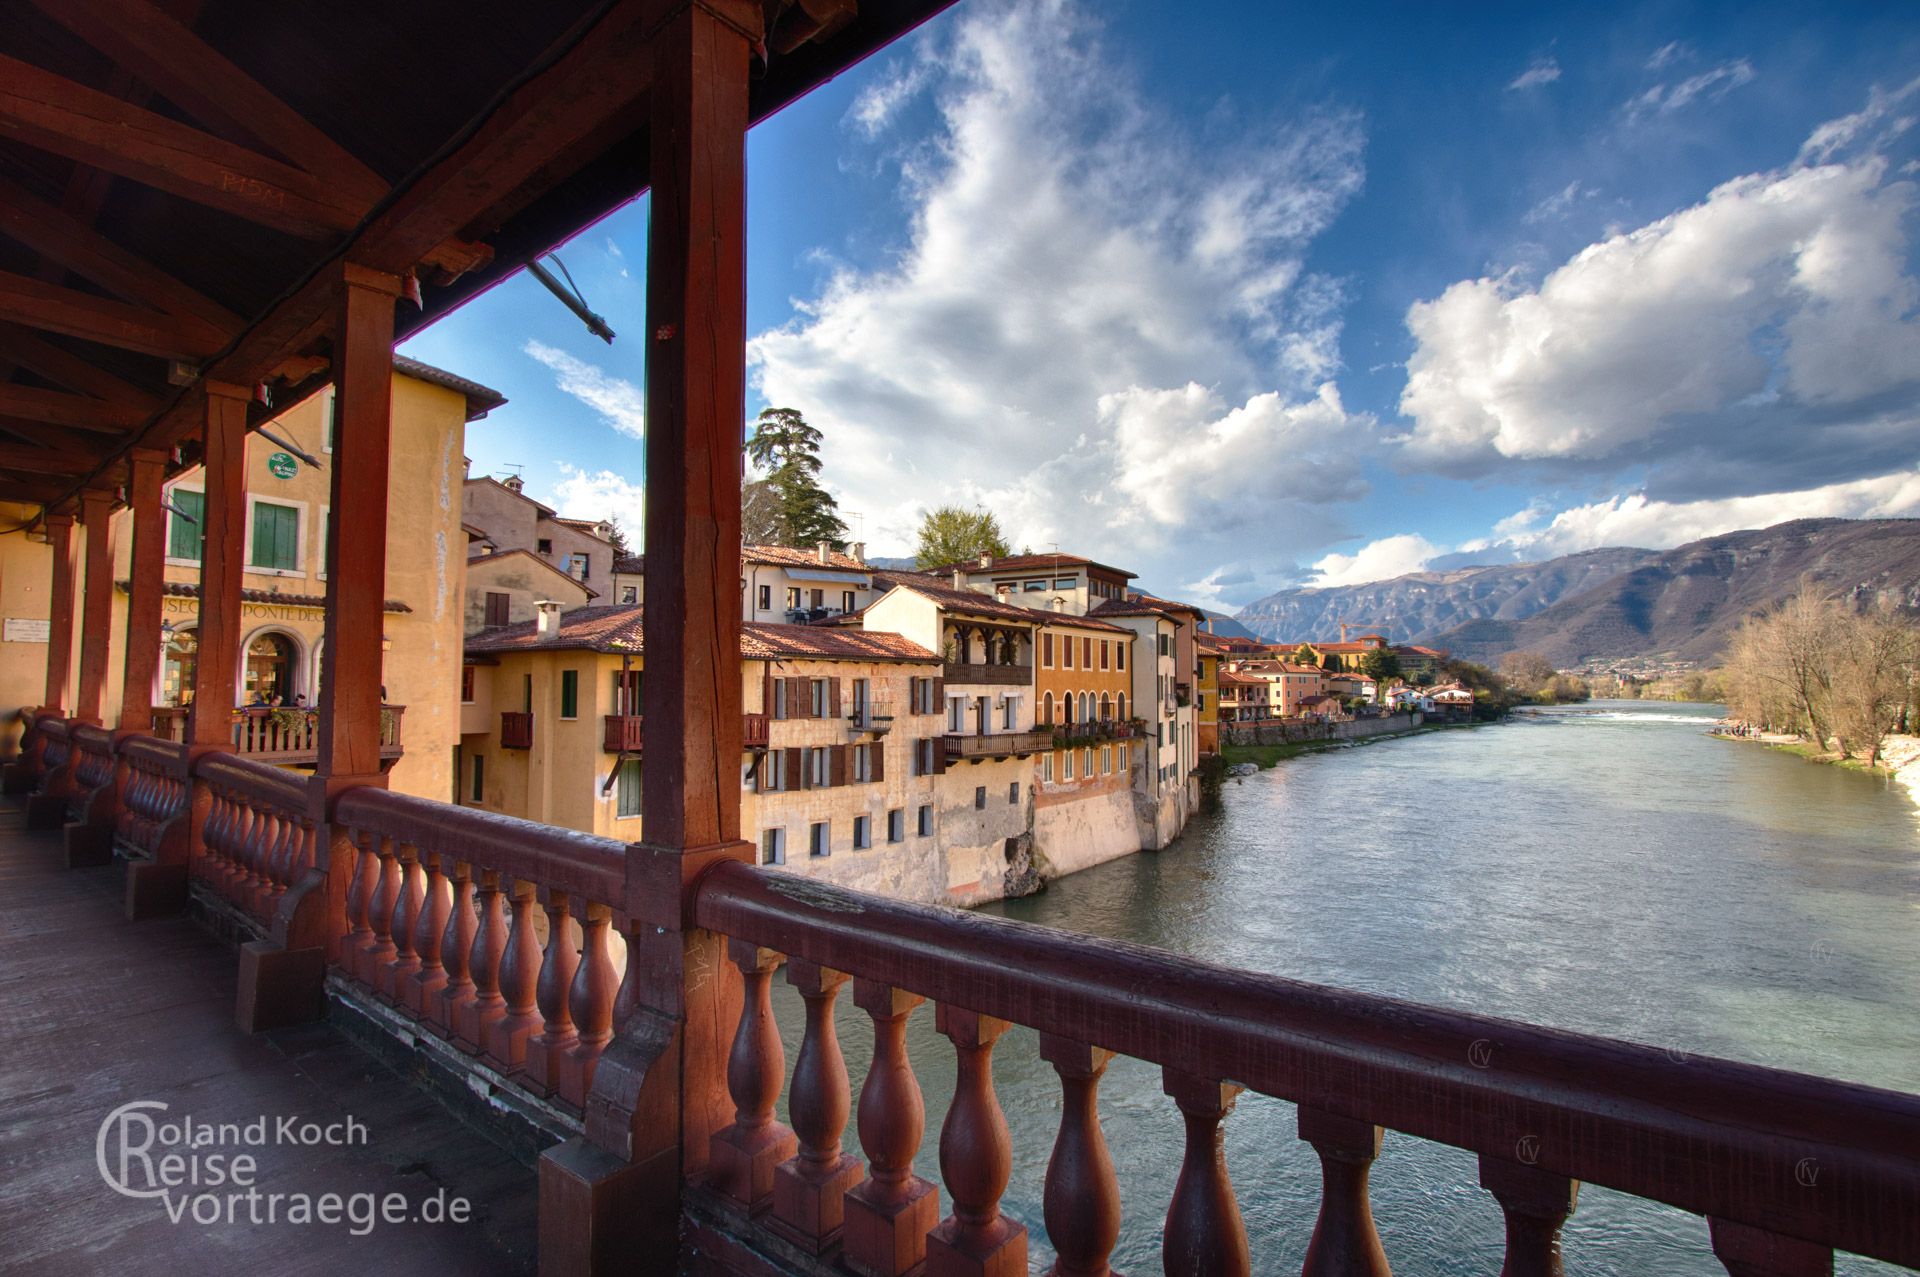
pixel 600 494
pixel 881 101
pixel 1667 54
pixel 1098 329
pixel 1660 525
pixel 1773 324
pixel 620 403
pixel 1716 82
pixel 1555 206
pixel 1376 561
pixel 1836 135
pixel 1540 71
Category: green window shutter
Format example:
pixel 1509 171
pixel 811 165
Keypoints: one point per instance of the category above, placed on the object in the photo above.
pixel 569 693
pixel 629 789
pixel 183 538
pixel 276 536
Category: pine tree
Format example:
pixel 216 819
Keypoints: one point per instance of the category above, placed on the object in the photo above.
pixel 787 450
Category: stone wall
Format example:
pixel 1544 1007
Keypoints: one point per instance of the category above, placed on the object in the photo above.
pixel 1301 733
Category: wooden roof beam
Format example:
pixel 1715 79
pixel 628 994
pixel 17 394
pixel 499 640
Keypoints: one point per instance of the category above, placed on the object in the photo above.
pixel 57 408
pixel 60 237
pixel 165 54
pixel 26 350
pixel 34 304
pixel 54 114
pixel 26 460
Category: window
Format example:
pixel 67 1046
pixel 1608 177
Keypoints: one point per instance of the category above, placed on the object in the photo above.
pixel 1007 709
pixel 1106 760
pixel 926 756
pixel 819 768
pixel 629 594
pixel 1065 583
pixel 1104 653
pixel 818 692
pixel 276 537
pixel 626 692
pixel 793 597
pixel 957 714
pixel 897 825
pixel 862 832
pixel 1066 652
pixel 765 601
pixel 479 790
pixel 183 538
pixel 922 698
pixel 773 771
pixel 1120 656
pixel 1013 793
pixel 846 600
pixel 627 788
pixel 1166 645
pixel 773 846
pixel 498 608
pixel 467 678
pixel 925 825
pixel 1046 708
pixel 1086 653
pixel 1046 768
pixel 862 763
pixel 777 707
pixel 544 546
pixel 1066 765
pixel 1087 770
pixel 1033 586
pixel 861 691
pixel 980 798
pixel 1046 651
pixel 569 693
pixel 819 842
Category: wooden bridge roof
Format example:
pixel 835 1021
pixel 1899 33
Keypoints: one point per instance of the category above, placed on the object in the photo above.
pixel 176 177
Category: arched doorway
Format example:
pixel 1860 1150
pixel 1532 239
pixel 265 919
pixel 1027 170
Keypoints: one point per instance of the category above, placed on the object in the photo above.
pixel 269 677
pixel 178 660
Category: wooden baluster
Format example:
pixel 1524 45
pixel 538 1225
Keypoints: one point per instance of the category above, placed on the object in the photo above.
pixel 595 986
pixel 483 965
pixel 271 844
pixel 519 983
pixel 1746 1251
pixel 1082 1198
pixel 456 945
pixel 741 1159
pixel 557 1035
pixel 1204 1235
pixel 1344 1243
pixel 976 1158
pixel 810 1188
pixel 429 929
pixel 1536 1203
pixel 359 900
pixel 386 889
pixel 397 971
pixel 232 837
pixel 891 1212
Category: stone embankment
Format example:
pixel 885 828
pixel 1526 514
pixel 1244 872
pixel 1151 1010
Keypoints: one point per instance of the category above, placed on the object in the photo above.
pixel 1305 733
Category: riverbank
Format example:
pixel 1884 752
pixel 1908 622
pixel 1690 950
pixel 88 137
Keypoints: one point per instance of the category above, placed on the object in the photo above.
pixel 1898 754
pixel 1265 756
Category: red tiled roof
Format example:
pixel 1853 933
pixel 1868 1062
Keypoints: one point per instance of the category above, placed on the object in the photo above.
pixel 487 478
pixel 788 556
pixel 480 399
pixel 1033 562
pixel 619 629
pixel 772 641
pixel 1140 603
pixel 978 604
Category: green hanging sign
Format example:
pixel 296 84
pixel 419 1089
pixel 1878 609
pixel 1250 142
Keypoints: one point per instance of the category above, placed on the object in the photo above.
pixel 282 466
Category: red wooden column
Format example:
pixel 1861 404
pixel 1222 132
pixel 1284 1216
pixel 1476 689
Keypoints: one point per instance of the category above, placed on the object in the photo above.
pixel 216 669
pixel 282 979
pixel 59 611
pixel 660 1089
pixel 96 604
pixel 146 469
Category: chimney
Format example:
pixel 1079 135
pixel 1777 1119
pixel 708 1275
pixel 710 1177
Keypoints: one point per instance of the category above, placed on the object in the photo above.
pixel 822 549
pixel 959 579
pixel 858 550
pixel 986 559
pixel 513 483
pixel 547 614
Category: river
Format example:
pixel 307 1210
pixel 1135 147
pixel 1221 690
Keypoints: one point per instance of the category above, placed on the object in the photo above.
pixel 1608 868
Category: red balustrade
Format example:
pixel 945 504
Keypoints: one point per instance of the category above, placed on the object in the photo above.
pixel 151 821
pixel 1543 1109
pixel 258 838
pixel 501 936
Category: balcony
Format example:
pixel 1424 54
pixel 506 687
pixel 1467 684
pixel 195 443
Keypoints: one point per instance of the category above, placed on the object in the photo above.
pixel 996 675
pixel 623 734
pixel 977 748
pixel 753 732
pixel 868 722
pixel 285 736
pixel 1106 729
pixel 516 730
pixel 1183 694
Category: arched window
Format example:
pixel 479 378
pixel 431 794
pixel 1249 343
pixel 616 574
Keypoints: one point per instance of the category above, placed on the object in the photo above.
pixel 177 664
pixel 1122 705
pixel 269 675
pixel 1066 708
pixel 1085 717
pixel 1106 707
pixel 1046 709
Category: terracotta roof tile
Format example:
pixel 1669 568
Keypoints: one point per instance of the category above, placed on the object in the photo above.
pixel 979 604
pixel 787 556
pixel 618 629
pixel 1032 562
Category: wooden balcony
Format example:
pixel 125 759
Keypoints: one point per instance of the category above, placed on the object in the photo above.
pixel 869 723
pixel 623 735
pixel 286 736
pixel 995 675
pixel 977 748
pixel 516 730
pixel 753 731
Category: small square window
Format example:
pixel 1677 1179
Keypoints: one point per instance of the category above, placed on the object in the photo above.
pixel 818 842
pixel 897 825
pixel 773 847
pixel 862 832
pixel 926 820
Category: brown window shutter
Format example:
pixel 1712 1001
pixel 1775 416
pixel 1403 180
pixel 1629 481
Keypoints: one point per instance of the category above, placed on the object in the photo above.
pixel 799 698
pixel 766 696
pixel 939 756
pixel 837 764
pixel 833 698
pixel 879 756
pixel 795 778
pixel 939 705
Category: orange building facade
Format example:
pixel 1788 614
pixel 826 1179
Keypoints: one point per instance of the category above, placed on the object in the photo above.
pixel 1083 675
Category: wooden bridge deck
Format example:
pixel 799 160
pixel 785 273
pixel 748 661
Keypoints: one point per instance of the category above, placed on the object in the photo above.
pixel 99 1012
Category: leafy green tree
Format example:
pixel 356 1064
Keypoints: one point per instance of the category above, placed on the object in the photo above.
pixel 787 450
pixel 952 534
pixel 1303 655
pixel 617 537
pixel 1380 665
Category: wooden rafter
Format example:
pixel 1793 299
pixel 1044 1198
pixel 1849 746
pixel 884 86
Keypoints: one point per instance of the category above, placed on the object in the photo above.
pixel 79 248
pixel 52 461
pixel 64 310
pixel 188 72
pixel 58 408
pixel 28 350
pixel 44 110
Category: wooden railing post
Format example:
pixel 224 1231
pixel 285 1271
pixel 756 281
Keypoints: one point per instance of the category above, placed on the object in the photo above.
pixel 745 1154
pixel 1345 1243
pixel 1205 1236
pixel 890 1213
pixel 548 1048
pixel 810 1188
pixel 659 1091
pixel 1082 1197
pixel 1746 1251
pixel 976 1159
pixel 1536 1204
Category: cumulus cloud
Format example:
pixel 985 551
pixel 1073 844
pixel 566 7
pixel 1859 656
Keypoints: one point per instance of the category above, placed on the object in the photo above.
pixel 620 403
pixel 600 494
pixel 1097 328
pixel 1731 345
pixel 1715 82
pixel 1540 71
pixel 1379 560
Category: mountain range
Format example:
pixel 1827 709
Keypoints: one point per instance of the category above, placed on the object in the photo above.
pixel 1615 603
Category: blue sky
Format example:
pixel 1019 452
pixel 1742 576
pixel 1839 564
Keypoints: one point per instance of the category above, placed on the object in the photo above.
pixel 1241 297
